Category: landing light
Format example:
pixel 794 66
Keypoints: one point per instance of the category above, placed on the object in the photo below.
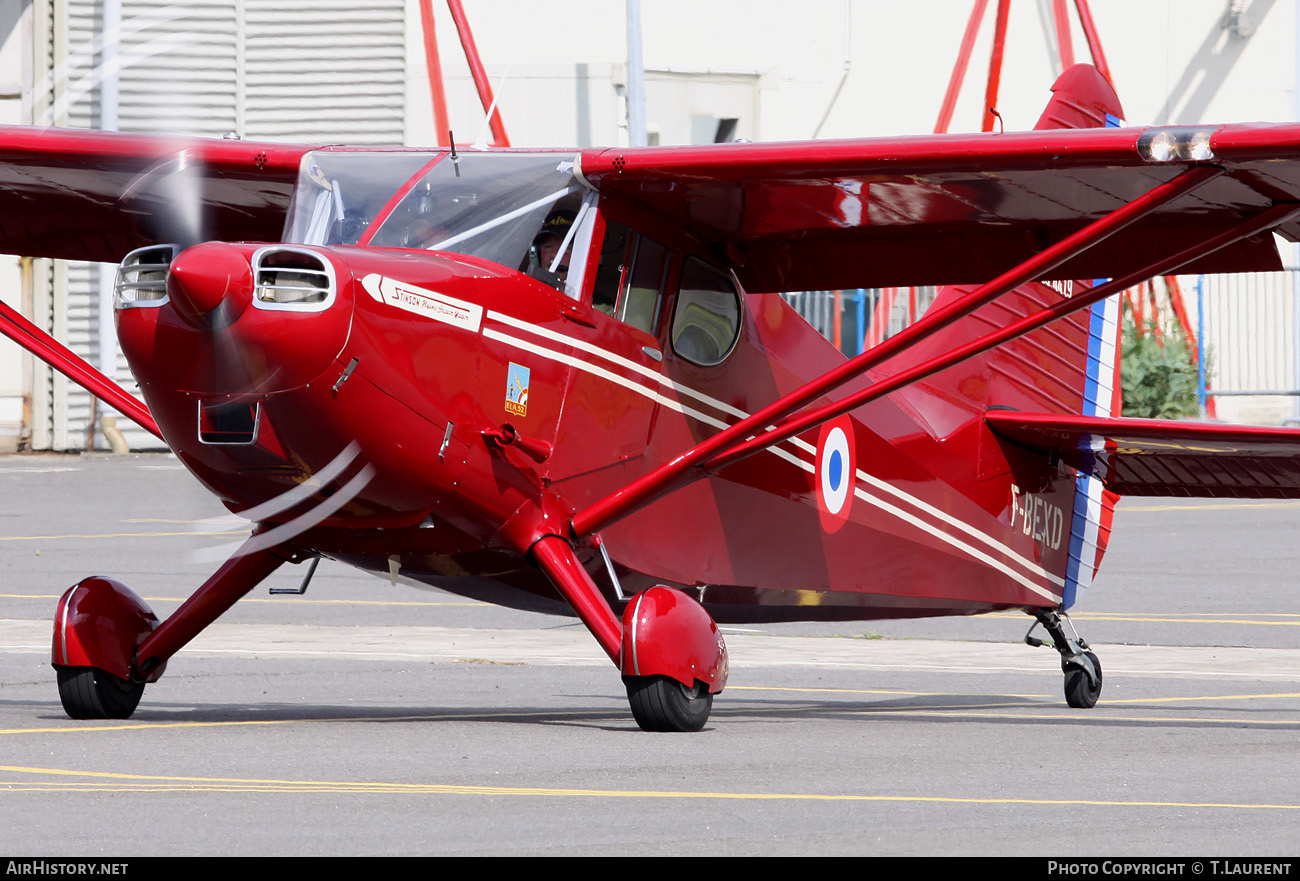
pixel 1198 147
pixel 1181 142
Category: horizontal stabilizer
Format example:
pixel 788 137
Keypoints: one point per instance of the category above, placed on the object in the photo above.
pixel 1157 457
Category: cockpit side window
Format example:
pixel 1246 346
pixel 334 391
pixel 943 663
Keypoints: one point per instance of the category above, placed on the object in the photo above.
pixel 609 272
pixel 706 319
pixel 643 282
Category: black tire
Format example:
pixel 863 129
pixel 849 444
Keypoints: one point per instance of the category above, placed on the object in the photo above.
pixel 1079 690
pixel 661 703
pixel 91 693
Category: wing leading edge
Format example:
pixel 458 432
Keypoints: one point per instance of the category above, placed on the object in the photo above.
pixel 88 195
pixel 1156 457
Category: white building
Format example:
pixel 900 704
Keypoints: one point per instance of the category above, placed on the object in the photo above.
pixel 758 69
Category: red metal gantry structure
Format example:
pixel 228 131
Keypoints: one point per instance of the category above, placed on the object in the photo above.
pixel 878 327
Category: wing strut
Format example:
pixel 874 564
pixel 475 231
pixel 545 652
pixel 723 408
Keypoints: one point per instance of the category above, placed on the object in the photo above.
pixel 672 474
pixel 1266 220
pixel 71 365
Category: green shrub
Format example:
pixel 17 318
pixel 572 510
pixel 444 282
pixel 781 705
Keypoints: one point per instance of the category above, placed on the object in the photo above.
pixel 1157 375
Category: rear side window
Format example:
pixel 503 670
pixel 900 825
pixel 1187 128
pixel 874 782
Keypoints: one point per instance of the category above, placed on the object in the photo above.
pixel 706 320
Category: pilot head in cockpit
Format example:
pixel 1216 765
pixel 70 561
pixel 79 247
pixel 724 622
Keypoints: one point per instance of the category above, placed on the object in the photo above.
pixel 546 244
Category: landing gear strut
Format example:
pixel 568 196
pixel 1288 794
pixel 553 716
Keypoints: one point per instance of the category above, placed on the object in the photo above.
pixel 1081 667
pixel 670 653
pixel 108 643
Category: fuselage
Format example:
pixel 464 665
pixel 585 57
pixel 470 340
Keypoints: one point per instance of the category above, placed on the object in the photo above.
pixel 397 407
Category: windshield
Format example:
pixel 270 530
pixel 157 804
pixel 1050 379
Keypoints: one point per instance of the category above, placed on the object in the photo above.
pixel 488 205
pixel 339 194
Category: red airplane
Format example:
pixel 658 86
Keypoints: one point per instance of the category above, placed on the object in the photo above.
pixel 568 370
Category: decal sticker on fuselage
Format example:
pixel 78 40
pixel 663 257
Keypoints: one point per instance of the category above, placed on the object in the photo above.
pixel 835 473
pixel 517 389
pixel 424 302
pixel 1037 517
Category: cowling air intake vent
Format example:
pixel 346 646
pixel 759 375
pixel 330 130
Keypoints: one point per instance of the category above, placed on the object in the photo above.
pixel 225 422
pixel 142 277
pixel 292 278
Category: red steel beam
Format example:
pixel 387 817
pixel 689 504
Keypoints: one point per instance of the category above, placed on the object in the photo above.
pixel 837 321
pixel 1175 292
pixel 74 367
pixel 437 92
pixel 1274 216
pixel 1094 41
pixel 670 475
pixel 480 75
pixel 959 69
pixel 1156 330
pixel 995 64
pixel 1064 46
pixel 880 316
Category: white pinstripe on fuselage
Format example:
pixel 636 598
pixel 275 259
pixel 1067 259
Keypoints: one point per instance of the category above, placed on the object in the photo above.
pixel 873 491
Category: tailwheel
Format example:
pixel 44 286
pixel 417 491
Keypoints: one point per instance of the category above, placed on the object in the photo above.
pixel 661 703
pixel 91 693
pixel 1081 690
pixel 1081 667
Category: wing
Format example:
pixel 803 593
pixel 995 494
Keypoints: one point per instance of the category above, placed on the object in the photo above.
pixel 1155 457
pixel 86 195
pixel 992 210
pixel 951 209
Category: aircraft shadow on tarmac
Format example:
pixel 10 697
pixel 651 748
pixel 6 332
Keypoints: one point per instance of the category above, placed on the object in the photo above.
pixel 946 708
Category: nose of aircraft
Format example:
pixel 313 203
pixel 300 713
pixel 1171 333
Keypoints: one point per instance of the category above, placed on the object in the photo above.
pixel 210 284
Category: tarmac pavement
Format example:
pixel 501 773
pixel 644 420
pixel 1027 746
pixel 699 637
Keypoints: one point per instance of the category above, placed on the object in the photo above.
pixel 367 718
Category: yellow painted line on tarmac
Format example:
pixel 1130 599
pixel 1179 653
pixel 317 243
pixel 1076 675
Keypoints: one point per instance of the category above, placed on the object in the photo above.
pixel 252 723
pixel 104 781
pixel 1293 618
pixel 164 520
pixel 355 602
pixel 1182 615
pixel 981 711
pixel 888 692
pixel 898 693
pixel 120 535
pixel 1099 616
pixel 1225 506
pixel 1089 716
pixel 1199 697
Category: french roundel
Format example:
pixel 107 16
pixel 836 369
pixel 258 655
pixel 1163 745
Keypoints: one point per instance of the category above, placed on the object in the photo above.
pixel 835 474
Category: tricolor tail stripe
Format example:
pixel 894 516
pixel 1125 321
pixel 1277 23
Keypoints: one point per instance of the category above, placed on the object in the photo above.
pixel 1098 400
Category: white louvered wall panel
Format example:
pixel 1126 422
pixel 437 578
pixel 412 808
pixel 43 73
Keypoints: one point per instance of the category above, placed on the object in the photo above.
pixel 77 89
pixel 179 74
pixel 337 75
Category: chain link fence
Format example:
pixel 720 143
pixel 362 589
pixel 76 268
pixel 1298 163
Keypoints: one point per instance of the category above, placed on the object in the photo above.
pixel 1242 327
